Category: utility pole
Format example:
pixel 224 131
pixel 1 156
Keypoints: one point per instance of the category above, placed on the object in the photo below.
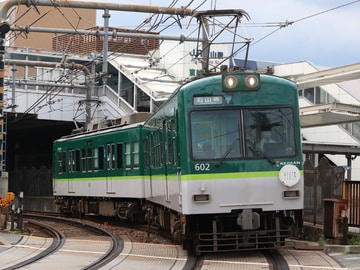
pixel 4 28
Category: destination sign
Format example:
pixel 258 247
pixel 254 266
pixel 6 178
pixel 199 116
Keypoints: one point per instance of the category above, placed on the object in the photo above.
pixel 210 100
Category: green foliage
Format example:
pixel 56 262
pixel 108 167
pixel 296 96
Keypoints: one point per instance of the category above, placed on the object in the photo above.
pixel 354 240
pixel 321 241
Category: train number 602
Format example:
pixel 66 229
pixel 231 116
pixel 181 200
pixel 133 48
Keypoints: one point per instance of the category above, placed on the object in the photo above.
pixel 202 167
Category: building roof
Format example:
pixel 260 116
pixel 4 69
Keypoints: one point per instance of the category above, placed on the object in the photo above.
pixel 156 82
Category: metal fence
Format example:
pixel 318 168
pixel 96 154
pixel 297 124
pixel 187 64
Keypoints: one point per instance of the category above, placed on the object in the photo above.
pixel 352 194
pixel 322 182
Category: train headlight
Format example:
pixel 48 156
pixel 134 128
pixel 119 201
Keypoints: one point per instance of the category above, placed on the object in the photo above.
pixel 230 82
pixel 240 82
pixel 252 81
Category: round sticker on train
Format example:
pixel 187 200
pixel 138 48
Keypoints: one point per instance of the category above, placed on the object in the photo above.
pixel 289 175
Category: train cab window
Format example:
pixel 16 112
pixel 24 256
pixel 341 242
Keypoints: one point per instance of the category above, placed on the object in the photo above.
pixel 269 132
pixel 216 134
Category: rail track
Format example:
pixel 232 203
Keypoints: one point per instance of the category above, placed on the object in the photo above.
pixel 81 244
pixel 56 244
pixel 115 246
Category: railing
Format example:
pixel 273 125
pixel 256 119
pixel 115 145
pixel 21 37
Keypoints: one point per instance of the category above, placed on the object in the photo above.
pixel 121 104
pixel 352 194
pixel 321 182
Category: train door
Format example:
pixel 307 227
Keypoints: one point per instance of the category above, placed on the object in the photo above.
pixel 170 158
pixel 74 167
pixel 71 162
pixel 148 159
pixel 63 169
pixel 165 158
pixel 110 166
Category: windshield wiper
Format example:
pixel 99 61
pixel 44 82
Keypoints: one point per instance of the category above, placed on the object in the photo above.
pixel 262 153
pixel 228 150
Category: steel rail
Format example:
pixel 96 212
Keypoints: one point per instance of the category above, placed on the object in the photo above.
pixel 58 242
pixel 114 250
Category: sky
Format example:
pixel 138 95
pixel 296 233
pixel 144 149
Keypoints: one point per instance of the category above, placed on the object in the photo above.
pixel 323 32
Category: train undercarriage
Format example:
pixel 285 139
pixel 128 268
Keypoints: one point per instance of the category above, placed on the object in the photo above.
pixel 242 230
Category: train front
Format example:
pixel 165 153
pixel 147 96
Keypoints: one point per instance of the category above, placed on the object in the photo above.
pixel 242 185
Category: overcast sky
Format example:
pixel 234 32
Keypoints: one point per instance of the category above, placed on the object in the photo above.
pixel 324 32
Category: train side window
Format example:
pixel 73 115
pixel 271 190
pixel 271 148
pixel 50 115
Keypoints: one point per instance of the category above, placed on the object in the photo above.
pixel 170 142
pixel 152 151
pixel 173 151
pixel 99 158
pixel 156 149
pixel 77 160
pixel 96 159
pixel 89 159
pixel 83 160
pixel 135 155
pixel 127 155
pixel 110 156
pixel 146 152
pixel 159 149
pixel 119 155
pixel 62 162
pixel 71 161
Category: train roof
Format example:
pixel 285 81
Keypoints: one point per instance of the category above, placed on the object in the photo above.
pixel 121 123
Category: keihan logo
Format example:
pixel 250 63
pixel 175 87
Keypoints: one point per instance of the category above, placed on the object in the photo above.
pixel 228 99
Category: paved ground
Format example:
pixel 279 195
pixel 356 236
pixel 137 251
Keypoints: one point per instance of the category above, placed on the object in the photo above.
pixel 346 255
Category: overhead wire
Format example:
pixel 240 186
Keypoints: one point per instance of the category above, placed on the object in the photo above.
pixel 160 19
pixel 281 25
pixel 50 90
pixel 325 11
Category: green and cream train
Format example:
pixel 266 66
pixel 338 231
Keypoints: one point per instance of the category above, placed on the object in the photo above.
pixel 219 165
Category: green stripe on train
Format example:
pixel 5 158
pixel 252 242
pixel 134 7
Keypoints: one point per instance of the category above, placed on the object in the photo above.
pixel 189 177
